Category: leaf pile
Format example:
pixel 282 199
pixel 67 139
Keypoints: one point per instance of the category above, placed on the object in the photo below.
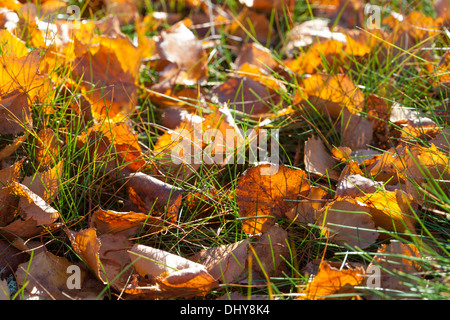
pixel 115 143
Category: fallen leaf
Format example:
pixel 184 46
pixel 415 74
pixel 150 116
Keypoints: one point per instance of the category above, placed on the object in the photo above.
pixel 425 164
pixel 391 210
pixel 8 150
pixel 345 221
pixel 108 71
pixel 187 62
pixel 331 93
pixel 265 193
pixel 173 273
pixel 127 223
pixel 393 259
pixel 245 95
pixel 34 213
pixel 249 24
pixel 331 281
pixel 152 195
pixel 23 73
pixel 255 55
pixel 15 114
pixel 270 253
pixel 46 184
pixel 357 131
pixel 308 205
pixel 355 185
pixel 9 202
pixel 317 159
pixel 225 263
pixel 46 276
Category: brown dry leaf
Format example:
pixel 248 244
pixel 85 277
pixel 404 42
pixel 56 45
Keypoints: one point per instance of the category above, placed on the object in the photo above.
pixel 318 160
pixel 46 184
pixel 441 141
pixel 330 281
pixel 45 277
pixel 34 213
pixel 229 263
pixel 164 95
pixel 109 221
pixel 308 205
pixel 11 5
pixel 441 7
pixel 222 138
pixel 109 73
pixel 226 263
pixel 23 73
pixel 33 206
pixel 342 154
pixel 395 257
pixel 187 282
pixel 16 144
pixel 358 42
pixel 106 256
pixel 246 95
pixel 391 210
pixel 425 164
pixel 4 291
pixel 186 62
pixel 357 132
pixel 354 185
pixel 126 11
pixel 388 166
pixel 270 253
pixel 115 262
pixel 266 192
pixel 345 221
pixel 126 144
pixel 15 114
pixel 10 258
pixel 214 139
pixel 152 195
pixel 331 93
pixel 412 123
pixel 378 113
pixel 178 150
pixel 260 75
pixel 255 55
pixel 87 245
pixel 174 274
pixel 352 167
pixel 128 223
pixel 249 24
pixel 412 29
